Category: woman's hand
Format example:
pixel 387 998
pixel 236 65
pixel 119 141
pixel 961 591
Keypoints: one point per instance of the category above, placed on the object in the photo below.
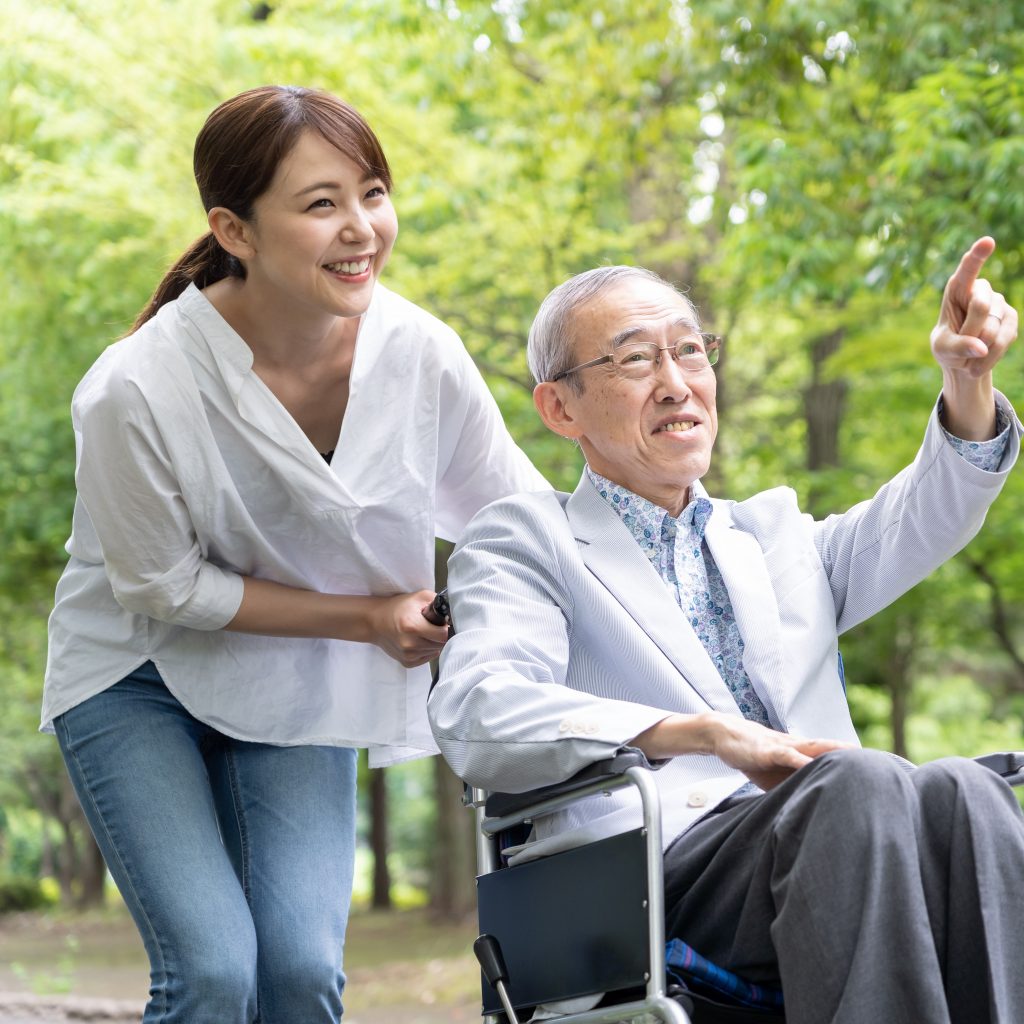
pixel 765 756
pixel 399 629
pixel 395 624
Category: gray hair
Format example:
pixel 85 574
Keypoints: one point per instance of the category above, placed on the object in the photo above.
pixel 550 349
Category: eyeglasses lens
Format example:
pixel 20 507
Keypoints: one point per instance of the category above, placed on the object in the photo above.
pixel 691 355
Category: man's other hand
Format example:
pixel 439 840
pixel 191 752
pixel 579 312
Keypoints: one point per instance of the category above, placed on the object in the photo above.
pixel 765 756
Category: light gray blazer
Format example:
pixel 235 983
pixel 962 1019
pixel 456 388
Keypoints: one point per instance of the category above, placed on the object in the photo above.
pixel 569 644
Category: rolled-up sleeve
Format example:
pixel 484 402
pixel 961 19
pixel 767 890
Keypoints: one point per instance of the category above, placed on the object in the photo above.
pixel 153 558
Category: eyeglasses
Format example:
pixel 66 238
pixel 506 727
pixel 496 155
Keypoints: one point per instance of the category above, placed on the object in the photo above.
pixel 639 360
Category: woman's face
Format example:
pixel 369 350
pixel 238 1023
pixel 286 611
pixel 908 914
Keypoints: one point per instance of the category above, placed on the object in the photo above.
pixel 322 233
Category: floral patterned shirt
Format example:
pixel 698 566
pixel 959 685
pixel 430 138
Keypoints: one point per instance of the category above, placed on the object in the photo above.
pixel 678 552
pixel 676 549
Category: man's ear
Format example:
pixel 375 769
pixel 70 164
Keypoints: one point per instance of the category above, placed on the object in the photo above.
pixel 554 401
pixel 233 233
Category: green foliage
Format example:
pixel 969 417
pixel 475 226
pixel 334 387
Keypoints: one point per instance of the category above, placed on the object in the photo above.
pixel 953 717
pixel 19 893
pixel 811 171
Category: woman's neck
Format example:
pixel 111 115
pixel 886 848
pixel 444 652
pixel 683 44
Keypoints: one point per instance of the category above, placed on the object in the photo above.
pixel 281 334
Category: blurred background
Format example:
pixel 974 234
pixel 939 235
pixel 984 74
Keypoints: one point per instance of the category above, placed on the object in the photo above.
pixel 811 170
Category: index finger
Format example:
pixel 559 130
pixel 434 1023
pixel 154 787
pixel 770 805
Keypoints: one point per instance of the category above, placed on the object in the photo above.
pixel 971 263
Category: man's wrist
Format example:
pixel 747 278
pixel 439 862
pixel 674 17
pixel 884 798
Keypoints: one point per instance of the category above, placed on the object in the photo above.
pixel 968 406
pixel 677 734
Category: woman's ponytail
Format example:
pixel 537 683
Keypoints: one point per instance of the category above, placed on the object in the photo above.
pixel 202 264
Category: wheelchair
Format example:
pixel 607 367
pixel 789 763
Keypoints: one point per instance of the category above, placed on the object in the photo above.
pixel 591 919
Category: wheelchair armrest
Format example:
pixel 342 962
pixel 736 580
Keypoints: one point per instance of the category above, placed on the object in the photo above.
pixel 499 805
pixel 1007 764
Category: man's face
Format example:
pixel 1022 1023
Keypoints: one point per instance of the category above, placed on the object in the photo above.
pixel 653 436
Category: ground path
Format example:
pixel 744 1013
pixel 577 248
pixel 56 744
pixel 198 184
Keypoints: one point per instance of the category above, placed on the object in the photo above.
pixel 402 967
pixel 19 1008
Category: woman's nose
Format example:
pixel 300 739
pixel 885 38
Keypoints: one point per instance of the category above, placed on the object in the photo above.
pixel 357 226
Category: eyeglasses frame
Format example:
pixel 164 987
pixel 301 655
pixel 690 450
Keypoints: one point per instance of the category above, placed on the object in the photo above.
pixel 705 336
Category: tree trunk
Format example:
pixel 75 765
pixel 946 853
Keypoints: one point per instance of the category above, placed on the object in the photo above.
pixel 452 859
pixel 1000 617
pixel 452 867
pixel 899 690
pixel 824 403
pixel 92 873
pixel 55 800
pixel 48 862
pixel 904 647
pixel 67 865
pixel 381 898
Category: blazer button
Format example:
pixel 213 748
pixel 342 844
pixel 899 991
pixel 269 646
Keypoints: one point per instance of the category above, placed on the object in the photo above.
pixel 697 798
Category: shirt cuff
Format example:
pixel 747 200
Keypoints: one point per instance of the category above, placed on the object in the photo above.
pixel 983 455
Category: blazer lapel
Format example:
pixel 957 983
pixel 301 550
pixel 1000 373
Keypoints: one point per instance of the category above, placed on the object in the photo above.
pixel 741 561
pixel 614 557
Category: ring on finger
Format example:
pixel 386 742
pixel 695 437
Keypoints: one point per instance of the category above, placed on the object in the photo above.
pixel 998 319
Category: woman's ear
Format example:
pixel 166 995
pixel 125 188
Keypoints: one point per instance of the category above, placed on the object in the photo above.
pixel 554 401
pixel 233 233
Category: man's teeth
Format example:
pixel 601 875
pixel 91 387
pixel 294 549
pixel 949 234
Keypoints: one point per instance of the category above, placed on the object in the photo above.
pixel 348 267
pixel 676 427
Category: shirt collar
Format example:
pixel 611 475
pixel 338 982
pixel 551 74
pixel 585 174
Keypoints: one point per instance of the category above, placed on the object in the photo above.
pixel 644 519
pixel 226 342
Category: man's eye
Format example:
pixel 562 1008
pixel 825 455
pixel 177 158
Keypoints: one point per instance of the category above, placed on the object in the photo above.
pixel 633 358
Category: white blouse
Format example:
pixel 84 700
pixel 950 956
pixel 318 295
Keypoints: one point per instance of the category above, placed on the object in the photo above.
pixel 191 474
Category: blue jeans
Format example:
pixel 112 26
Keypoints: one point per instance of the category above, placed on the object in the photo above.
pixel 235 859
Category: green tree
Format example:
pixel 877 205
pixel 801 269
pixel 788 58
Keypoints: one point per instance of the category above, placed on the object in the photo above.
pixel 811 171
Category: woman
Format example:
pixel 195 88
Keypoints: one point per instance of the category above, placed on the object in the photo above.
pixel 262 467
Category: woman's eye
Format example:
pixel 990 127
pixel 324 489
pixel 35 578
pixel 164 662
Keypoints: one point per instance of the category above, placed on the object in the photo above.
pixel 321 204
pixel 377 192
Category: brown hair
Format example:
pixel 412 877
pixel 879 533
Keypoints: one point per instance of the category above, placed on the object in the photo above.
pixel 236 156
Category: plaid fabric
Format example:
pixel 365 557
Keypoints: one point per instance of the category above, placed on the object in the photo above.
pixel 689 968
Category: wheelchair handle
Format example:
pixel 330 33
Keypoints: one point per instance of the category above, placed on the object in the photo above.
pixel 437 613
pixel 1008 764
pixel 488 952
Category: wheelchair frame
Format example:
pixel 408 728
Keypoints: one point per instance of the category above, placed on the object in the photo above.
pixel 498 812
pixel 503 811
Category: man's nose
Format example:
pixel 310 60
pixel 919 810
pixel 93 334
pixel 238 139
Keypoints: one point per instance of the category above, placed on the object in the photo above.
pixel 672 383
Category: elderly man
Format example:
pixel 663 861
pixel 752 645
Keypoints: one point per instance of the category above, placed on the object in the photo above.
pixel 638 612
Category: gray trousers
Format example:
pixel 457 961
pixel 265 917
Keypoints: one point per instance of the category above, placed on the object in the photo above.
pixel 874 895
